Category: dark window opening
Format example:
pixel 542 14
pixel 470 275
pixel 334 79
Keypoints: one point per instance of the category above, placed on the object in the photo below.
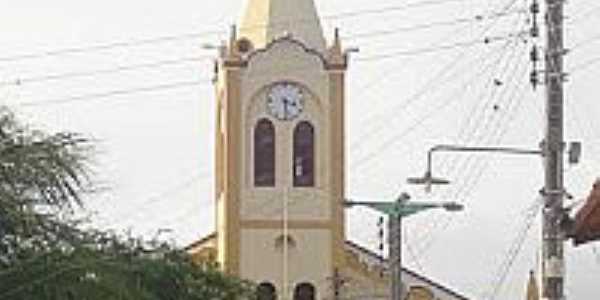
pixel 266 291
pixel 304 152
pixel 304 291
pixel 264 154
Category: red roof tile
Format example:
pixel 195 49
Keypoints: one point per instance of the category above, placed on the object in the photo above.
pixel 587 219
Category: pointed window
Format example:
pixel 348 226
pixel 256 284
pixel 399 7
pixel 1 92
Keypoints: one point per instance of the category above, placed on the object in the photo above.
pixel 304 291
pixel 304 152
pixel 266 291
pixel 264 154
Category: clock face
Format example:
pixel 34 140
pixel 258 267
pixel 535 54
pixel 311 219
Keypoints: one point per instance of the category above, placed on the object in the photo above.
pixel 285 101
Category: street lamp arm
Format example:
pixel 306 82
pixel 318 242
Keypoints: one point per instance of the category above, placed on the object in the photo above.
pixel 428 179
pixel 508 150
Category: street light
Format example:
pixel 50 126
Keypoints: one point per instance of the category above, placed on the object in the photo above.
pixel 428 179
pixel 396 210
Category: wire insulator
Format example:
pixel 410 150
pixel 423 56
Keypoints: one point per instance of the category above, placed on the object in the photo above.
pixel 534 54
pixel 534 8
pixel 534 79
pixel 535 30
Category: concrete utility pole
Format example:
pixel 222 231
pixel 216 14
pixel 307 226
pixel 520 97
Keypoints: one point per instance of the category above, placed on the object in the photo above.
pixel 396 211
pixel 553 264
pixel 395 236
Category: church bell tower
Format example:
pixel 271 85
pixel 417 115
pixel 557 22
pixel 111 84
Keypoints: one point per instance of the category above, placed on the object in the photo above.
pixel 280 151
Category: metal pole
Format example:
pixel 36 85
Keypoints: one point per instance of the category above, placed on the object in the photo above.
pixel 395 242
pixel 552 251
pixel 285 285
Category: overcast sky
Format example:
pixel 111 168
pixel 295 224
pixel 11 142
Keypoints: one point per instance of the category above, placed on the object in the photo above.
pixel 418 81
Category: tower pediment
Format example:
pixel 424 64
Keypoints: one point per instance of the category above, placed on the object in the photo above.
pixel 290 41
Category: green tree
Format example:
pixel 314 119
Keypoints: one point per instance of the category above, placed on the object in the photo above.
pixel 45 255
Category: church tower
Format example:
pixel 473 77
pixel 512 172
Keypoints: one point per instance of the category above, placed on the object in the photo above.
pixel 280 151
pixel 280 165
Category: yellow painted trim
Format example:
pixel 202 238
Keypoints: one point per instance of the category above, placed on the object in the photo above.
pixel 292 224
pixel 229 164
pixel 337 155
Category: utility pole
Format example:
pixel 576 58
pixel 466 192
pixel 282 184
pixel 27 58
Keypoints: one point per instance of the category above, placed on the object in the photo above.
pixel 395 242
pixel 553 264
pixel 396 211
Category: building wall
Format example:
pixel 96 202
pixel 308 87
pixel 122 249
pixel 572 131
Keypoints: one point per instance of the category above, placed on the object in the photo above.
pixel 263 258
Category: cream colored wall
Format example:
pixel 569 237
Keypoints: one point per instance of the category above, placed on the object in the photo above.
pixel 308 262
pixel 221 217
pixel 286 61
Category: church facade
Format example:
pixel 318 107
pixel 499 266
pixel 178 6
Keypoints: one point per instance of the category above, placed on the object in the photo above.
pixel 280 164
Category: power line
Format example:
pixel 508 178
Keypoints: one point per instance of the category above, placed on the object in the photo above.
pixel 476 18
pixel 587 42
pixel 21 81
pixel 585 15
pixel 162 196
pixel 585 65
pixel 171 38
pixel 484 41
pixel 502 63
pixel 426 87
pixel 515 249
pixel 109 94
pixel 475 174
pixel 79 98
pixel 107 46
pixel 52 77
pixel 420 121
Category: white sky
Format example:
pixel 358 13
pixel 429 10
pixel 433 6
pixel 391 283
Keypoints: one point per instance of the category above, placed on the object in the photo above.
pixel 155 147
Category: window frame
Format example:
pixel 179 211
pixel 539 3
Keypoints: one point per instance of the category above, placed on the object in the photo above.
pixel 264 152
pixel 304 154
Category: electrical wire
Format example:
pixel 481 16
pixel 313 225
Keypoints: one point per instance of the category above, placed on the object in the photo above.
pixel 109 94
pixel 429 25
pixel 171 38
pixel 429 84
pixel 136 211
pixel 21 81
pixel 474 174
pixel 397 137
pixel 476 42
pixel 107 46
pixel 448 165
pixel 79 98
pixel 69 75
pixel 584 65
pixel 514 250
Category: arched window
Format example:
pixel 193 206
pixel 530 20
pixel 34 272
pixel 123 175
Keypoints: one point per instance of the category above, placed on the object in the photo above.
pixel 266 291
pixel 304 291
pixel 304 155
pixel 264 153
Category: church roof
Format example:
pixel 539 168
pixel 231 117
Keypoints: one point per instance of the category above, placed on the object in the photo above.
pixel 587 220
pixel 266 20
pixel 209 240
pixel 420 277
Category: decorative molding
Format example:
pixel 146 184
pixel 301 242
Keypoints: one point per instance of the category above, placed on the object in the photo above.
pixel 292 224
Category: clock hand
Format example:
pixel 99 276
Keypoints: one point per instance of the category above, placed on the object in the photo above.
pixel 285 108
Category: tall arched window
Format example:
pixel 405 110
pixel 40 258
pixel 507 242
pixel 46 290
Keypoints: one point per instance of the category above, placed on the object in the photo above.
pixel 264 153
pixel 304 291
pixel 266 291
pixel 304 155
